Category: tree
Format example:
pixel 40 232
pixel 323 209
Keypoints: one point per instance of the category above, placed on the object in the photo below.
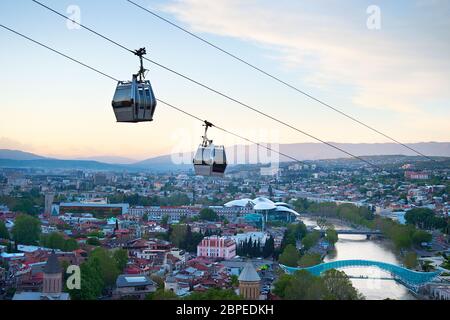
pixel 420 236
pixel 53 240
pixel 234 280
pixel 331 236
pixel 309 259
pixel 269 247
pixel 339 286
pixel 26 230
pixel 92 282
pixel 71 245
pixel 4 234
pixel 121 258
pixel 302 285
pixel 93 241
pixel 290 256
pixel 178 234
pixel 107 264
pixel 410 260
pixel 208 214
pixel 214 294
pixel 311 239
pixel 162 294
pixel 165 220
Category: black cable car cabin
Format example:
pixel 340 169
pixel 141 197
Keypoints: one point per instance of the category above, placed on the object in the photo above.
pixel 134 101
pixel 209 160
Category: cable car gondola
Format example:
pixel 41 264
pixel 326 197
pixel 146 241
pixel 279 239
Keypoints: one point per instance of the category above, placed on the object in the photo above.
pixel 134 101
pixel 209 160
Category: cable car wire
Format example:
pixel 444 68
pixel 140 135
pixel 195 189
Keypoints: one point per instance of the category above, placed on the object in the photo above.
pixel 254 67
pixel 159 100
pixel 211 89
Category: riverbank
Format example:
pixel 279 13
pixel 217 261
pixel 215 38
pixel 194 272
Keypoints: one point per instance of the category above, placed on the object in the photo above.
pixel 372 282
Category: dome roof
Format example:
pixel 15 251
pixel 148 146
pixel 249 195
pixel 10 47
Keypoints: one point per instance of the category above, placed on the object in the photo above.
pixel 264 206
pixel 284 209
pixel 261 203
pixel 52 266
pixel 238 203
pixel 249 274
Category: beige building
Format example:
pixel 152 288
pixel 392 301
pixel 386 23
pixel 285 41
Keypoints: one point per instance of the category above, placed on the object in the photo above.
pixel 249 282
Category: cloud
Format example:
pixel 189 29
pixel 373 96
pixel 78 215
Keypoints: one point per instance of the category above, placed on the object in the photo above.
pixel 385 70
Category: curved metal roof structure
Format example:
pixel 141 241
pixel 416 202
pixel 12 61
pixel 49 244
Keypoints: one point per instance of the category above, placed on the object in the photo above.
pixel 409 277
pixel 262 204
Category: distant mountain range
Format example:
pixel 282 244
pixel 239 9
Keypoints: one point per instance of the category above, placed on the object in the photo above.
pixel 18 155
pixel 301 151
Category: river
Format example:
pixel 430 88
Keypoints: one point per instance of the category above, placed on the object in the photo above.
pixel 358 247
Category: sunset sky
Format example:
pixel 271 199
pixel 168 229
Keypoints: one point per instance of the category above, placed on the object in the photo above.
pixel 396 79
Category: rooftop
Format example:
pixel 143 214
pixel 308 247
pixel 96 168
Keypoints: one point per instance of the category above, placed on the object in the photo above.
pixel 249 274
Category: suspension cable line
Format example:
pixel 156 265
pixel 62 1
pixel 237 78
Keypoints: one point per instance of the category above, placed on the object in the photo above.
pixel 159 100
pixel 211 89
pixel 279 80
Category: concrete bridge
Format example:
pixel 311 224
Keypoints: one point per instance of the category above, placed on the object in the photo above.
pixel 367 233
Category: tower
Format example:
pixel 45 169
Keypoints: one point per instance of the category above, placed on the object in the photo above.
pixel 49 198
pixel 52 276
pixel 249 282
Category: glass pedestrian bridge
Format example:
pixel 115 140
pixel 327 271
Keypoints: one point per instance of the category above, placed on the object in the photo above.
pixel 406 276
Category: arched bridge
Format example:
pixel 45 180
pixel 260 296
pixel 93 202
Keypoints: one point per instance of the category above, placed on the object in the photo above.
pixel 408 277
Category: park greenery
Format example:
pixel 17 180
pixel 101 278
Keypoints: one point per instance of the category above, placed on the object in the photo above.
pixel 425 218
pixel 4 234
pixel 290 256
pixel 56 240
pixel 210 294
pixel 182 237
pixel 208 214
pixel 99 273
pixel 28 202
pixel 302 285
pixel 26 230
pixel 252 248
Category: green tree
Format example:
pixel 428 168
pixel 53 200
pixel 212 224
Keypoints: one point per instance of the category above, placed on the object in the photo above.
pixel 92 282
pixel 178 234
pixel 4 234
pixel 214 294
pixel 107 264
pixel 121 258
pixel 26 230
pixel 208 214
pixel 410 260
pixel 331 236
pixel 71 245
pixel 304 286
pixel 309 259
pixel 290 256
pixel 54 240
pixel 311 239
pixel 165 220
pixel 162 294
pixel 269 247
pixel 420 236
pixel 339 286
pixel 93 242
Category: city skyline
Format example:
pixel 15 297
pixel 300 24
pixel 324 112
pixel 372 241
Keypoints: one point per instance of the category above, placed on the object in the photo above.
pixel 390 78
